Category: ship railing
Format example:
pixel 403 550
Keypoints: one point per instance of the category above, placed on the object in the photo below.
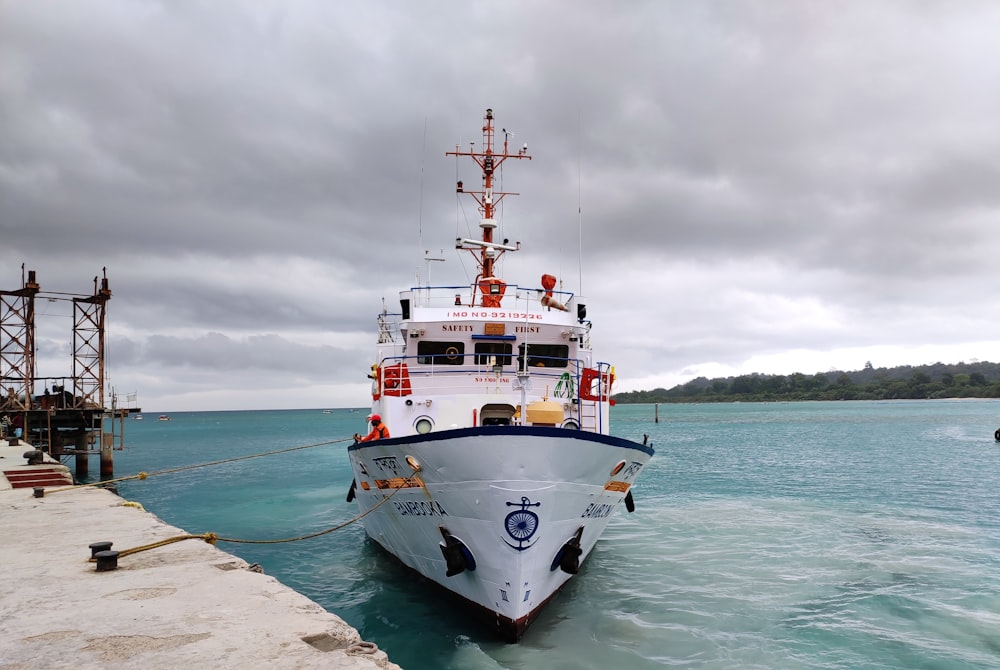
pixel 389 327
pixel 558 379
pixel 446 372
pixel 514 297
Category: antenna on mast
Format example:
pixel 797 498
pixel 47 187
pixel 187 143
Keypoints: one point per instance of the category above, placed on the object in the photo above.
pixel 427 261
pixel 579 198
pixel 485 250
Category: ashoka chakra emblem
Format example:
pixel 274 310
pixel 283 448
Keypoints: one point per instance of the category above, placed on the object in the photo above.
pixel 522 523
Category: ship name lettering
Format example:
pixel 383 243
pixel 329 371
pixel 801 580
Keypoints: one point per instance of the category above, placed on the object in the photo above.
pixel 526 329
pixel 632 470
pixel 597 511
pixel 419 508
pixel 454 327
pixel 387 464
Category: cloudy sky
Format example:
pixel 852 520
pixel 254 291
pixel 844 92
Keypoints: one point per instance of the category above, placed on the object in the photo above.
pixel 768 186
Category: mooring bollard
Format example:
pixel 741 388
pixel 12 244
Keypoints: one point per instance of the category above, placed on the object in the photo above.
pixel 106 561
pixel 39 492
pixel 95 547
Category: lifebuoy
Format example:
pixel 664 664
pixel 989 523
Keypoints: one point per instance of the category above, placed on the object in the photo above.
pixel 996 435
pixel 451 353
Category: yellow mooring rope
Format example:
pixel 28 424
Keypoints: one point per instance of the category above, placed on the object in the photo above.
pixel 212 538
pixel 144 475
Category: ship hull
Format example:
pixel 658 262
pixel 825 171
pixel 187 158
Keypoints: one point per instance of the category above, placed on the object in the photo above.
pixel 500 516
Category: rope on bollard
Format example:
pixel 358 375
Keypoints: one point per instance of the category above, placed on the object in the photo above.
pixel 212 538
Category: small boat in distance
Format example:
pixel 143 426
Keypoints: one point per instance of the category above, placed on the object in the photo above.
pixel 163 417
pixel 499 473
pixel 137 417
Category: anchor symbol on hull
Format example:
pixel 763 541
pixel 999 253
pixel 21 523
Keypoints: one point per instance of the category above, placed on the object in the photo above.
pixel 521 524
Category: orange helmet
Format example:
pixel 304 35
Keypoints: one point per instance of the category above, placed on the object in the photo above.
pixel 376 418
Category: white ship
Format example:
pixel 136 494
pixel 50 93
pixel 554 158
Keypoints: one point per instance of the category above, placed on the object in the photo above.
pixel 500 473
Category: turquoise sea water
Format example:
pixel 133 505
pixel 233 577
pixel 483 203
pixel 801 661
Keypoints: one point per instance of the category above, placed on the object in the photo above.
pixel 788 535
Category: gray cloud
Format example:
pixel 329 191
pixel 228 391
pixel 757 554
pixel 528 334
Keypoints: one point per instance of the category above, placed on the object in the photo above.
pixel 760 186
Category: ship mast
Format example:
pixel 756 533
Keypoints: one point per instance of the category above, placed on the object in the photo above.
pixel 485 250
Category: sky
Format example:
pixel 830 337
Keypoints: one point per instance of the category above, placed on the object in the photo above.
pixel 734 187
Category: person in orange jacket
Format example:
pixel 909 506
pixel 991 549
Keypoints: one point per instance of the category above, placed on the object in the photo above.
pixel 378 431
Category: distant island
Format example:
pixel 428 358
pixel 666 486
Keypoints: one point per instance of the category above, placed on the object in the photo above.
pixel 958 380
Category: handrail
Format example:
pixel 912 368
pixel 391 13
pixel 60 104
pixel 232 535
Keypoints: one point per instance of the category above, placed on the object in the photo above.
pixel 463 295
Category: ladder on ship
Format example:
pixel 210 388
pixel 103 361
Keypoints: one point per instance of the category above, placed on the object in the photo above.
pixel 594 390
pixel 590 416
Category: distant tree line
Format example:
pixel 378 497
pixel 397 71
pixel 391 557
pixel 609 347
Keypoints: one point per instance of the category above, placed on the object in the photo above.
pixel 958 380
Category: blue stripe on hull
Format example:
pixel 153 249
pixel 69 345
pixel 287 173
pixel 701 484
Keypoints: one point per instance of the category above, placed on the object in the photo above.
pixel 535 431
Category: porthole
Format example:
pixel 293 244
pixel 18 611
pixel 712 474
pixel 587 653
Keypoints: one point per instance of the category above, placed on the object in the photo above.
pixel 572 425
pixel 423 425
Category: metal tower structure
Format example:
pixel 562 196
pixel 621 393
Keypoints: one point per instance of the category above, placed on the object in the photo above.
pixel 17 343
pixel 63 422
pixel 88 346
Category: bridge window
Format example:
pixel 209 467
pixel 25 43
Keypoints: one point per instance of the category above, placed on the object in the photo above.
pixel 485 351
pixel 440 353
pixel 544 355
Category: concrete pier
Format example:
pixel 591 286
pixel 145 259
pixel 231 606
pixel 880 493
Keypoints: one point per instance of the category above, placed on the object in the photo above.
pixel 184 605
